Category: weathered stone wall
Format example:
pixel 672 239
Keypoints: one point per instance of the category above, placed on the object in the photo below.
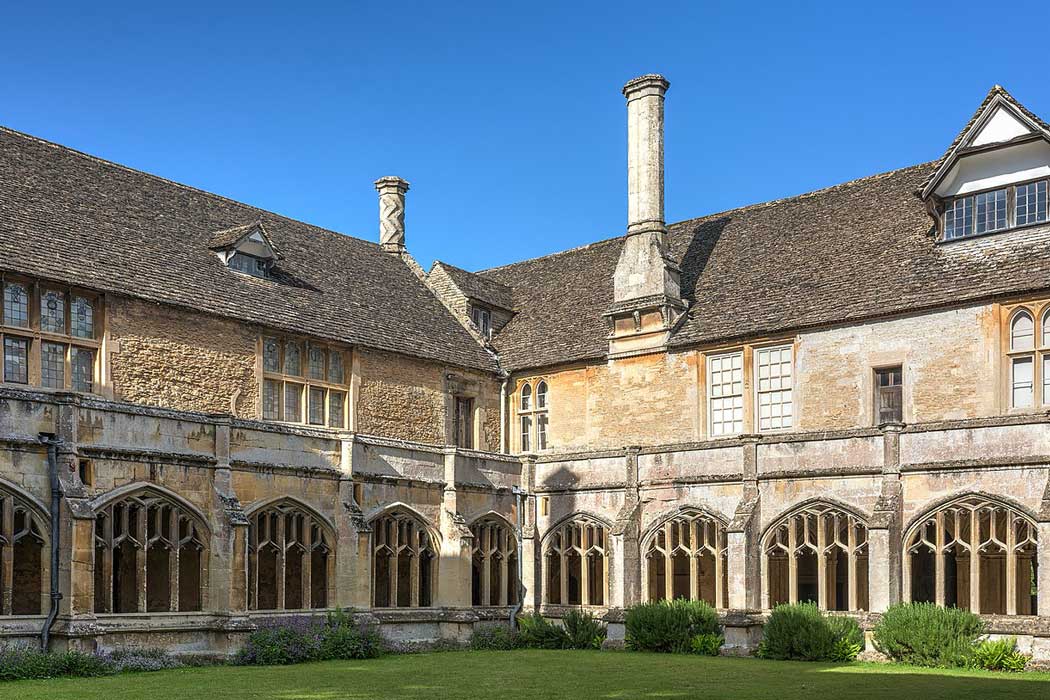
pixel 949 360
pixel 646 400
pixel 409 399
pixel 163 356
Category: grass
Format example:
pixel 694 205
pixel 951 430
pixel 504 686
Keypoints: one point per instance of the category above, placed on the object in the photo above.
pixel 545 674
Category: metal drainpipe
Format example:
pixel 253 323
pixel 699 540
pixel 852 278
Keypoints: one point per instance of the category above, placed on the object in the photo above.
pixel 520 495
pixel 504 446
pixel 56 502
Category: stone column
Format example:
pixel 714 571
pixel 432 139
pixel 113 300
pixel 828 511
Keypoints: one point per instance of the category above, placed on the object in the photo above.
pixel 353 555
pixel 625 553
pixel 885 571
pixel 226 582
pixel 1043 553
pixel 392 213
pixel 456 543
pixel 529 554
pixel 744 560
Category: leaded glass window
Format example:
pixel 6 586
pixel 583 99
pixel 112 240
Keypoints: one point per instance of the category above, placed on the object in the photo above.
pixel 958 218
pixel 317 401
pixel 271 400
pixel 271 355
pixel 335 367
pixel 534 418
pixel 16 305
pixel 16 360
pixel 315 366
pixel 82 362
pixel 293 362
pixel 53 365
pixel 990 211
pixel 293 402
pixel 336 400
pixel 53 312
pixel 83 318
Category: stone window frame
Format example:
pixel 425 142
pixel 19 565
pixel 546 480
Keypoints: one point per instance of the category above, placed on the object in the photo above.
pixel 494 558
pixel 303 380
pixel 114 528
pixel 1037 355
pixel 532 415
pixel 311 537
pixel 949 525
pixel 35 336
pixel 781 542
pixel 478 313
pixel 561 543
pixel 399 531
pixel 707 536
pixel 21 518
pixel 750 408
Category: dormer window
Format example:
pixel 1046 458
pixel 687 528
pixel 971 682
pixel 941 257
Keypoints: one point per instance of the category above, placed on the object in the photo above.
pixel 246 249
pixel 996 210
pixel 482 319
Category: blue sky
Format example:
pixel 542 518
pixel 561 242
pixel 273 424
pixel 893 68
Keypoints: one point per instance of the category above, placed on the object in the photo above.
pixel 507 117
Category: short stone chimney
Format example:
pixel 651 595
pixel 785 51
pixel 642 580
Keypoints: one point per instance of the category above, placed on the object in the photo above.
pixel 647 297
pixel 392 213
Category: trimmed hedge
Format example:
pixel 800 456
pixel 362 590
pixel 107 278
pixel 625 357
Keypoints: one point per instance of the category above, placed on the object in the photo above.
pixel 801 632
pixel 924 634
pixel 673 627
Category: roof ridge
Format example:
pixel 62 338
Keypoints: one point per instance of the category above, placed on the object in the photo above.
pixel 745 207
pixel 180 185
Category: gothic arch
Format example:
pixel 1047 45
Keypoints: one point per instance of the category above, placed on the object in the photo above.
pixel 684 556
pixel 25 567
pixel 291 555
pixel 816 550
pixel 575 555
pixel 492 515
pixel 405 550
pixel 150 551
pixel 494 561
pixel 973 550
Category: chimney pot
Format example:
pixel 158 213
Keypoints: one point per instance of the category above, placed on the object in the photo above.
pixel 392 213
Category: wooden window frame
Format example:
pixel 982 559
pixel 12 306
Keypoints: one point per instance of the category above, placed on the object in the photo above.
pixel 1011 211
pixel 36 336
pixel 304 380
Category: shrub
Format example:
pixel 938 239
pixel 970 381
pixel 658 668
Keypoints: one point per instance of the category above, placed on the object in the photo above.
pixel 134 660
pixel 669 626
pixel 536 632
pixel 495 638
pixel 999 655
pixel 707 644
pixel 925 634
pixel 303 639
pixel 801 632
pixel 584 630
pixel 24 663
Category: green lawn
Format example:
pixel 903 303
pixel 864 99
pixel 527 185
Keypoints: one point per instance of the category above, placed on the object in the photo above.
pixel 546 674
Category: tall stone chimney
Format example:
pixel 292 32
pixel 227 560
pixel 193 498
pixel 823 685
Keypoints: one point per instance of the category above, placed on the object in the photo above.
pixel 647 298
pixel 392 213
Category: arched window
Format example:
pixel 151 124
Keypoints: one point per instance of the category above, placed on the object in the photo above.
pixel 24 569
pixel 404 565
pixel 818 554
pixel 1022 361
pixel 686 558
pixel 290 563
pixel 576 563
pixel 149 556
pixel 973 553
pixel 494 563
pixel 1022 332
pixel 533 417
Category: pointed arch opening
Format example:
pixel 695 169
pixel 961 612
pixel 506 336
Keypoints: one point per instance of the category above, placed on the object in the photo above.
pixel 24 565
pixel 817 553
pixel 291 563
pixel 685 557
pixel 974 552
pixel 494 562
pixel 150 552
pixel 576 562
pixel 404 560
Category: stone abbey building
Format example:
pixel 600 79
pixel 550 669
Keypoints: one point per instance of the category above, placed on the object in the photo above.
pixel 212 415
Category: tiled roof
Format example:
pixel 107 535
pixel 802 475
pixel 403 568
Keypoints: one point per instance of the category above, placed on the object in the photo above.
pixel 78 219
pixel 478 287
pixel 850 252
